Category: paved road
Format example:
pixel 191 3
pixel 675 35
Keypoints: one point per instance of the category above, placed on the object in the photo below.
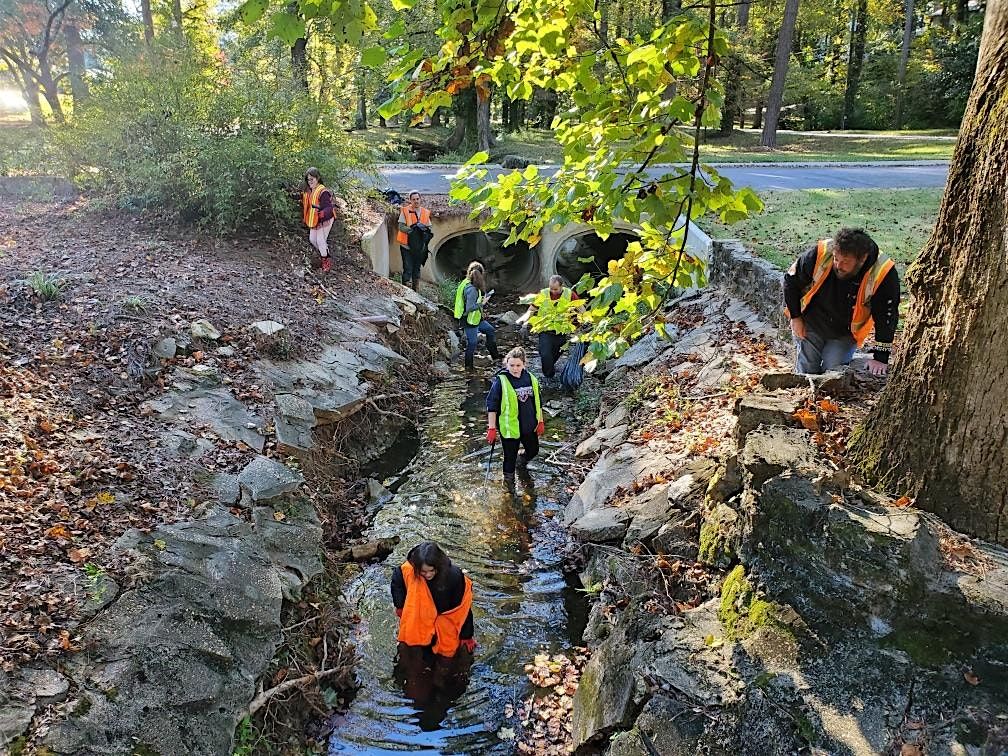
pixel 436 179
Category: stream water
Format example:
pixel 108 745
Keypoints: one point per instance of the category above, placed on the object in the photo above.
pixel 509 546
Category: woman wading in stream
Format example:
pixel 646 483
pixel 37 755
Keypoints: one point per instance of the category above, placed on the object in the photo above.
pixel 514 408
pixel 470 296
pixel 433 600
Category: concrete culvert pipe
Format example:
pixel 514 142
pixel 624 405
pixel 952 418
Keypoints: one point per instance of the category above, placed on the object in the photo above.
pixel 516 267
pixel 587 253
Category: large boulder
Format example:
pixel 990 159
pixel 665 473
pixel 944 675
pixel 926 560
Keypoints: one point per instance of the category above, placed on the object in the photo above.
pixel 754 410
pixel 604 525
pixel 616 469
pixel 769 451
pixel 175 660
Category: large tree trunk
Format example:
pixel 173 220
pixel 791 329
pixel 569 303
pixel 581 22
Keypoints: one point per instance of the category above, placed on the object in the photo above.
pixel 299 64
pixel 776 96
pixel 75 63
pixel 940 429
pixel 484 131
pixel 148 21
pixel 29 90
pixel 758 116
pixel 855 60
pixel 49 89
pixel 733 79
pixel 176 9
pixel 909 21
pixel 464 107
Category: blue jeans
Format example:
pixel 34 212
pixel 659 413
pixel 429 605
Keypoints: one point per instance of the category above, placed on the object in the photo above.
pixel 410 266
pixel 471 332
pixel 815 354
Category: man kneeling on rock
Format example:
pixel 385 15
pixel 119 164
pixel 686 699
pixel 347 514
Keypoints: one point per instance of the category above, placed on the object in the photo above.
pixel 835 294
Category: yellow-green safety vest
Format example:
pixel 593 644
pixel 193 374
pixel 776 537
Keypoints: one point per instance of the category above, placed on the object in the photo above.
pixel 507 422
pixel 474 317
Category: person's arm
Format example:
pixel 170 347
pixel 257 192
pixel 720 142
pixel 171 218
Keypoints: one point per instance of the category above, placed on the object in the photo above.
pixel 403 225
pixel 885 313
pixel 467 631
pixel 325 208
pixel 472 299
pixel 398 591
pixel 796 280
pixel 493 404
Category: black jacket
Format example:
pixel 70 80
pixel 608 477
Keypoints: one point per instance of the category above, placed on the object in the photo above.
pixel 447 594
pixel 527 417
pixel 830 311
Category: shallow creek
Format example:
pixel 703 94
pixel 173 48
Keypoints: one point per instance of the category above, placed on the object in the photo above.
pixel 511 547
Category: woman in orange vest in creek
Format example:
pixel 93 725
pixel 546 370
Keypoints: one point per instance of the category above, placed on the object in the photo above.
pixel 317 212
pixel 433 600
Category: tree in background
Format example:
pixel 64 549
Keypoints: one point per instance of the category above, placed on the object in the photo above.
pixel 940 428
pixel 782 58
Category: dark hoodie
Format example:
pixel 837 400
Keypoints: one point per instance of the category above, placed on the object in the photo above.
pixel 527 420
pixel 830 311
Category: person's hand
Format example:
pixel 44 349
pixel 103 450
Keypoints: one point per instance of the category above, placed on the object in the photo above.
pixel 469 644
pixel 398 613
pixel 523 332
pixel 541 428
pixel 491 435
pixel 798 328
pixel 877 368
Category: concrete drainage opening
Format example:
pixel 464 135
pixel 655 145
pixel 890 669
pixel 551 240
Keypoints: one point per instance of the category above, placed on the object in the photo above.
pixel 508 268
pixel 587 253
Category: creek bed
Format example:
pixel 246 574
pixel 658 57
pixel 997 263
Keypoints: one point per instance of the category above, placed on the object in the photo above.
pixel 511 547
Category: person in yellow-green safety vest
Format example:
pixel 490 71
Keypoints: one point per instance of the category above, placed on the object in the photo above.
pixel 514 412
pixel 550 342
pixel 470 296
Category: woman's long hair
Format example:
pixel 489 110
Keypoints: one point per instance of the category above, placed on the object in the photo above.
pixel 431 554
pixel 475 275
pixel 311 172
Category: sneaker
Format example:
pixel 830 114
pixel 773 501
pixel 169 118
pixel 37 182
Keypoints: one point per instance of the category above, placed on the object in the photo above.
pixel 326 264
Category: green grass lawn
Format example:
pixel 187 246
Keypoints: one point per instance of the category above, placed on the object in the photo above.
pixel 899 220
pixel 539 146
pixel 744 147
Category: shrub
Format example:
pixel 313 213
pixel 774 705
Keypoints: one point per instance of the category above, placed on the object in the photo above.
pixel 213 144
pixel 46 287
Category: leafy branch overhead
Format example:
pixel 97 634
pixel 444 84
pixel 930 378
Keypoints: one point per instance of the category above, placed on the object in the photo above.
pixel 348 19
pixel 636 107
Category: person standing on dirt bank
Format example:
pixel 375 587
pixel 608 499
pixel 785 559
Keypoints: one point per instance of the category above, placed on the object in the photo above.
pixel 550 342
pixel 433 600
pixel 317 211
pixel 411 216
pixel 835 294
pixel 514 407
pixel 470 296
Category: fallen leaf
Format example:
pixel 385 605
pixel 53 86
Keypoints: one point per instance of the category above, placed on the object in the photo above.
pixel 279 516
pixel 902 501
pixel 970 677
pixel 79 555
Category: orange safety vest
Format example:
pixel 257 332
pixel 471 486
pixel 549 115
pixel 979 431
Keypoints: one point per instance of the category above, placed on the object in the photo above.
pixel 421 624
pixel 309 201
pixel 861 320
pixel 423 217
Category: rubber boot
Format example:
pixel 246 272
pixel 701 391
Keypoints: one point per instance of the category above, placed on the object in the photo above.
pixel 509 482
pixel 415 285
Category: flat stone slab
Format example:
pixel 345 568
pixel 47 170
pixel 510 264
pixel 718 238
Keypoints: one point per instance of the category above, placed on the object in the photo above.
pixel 265 479
pixel 215 408
pixel 754 410
pixel 605 525
pixel 617 468
pixel 603 438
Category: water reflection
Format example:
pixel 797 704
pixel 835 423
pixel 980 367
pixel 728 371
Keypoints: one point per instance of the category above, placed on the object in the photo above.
pixel 510 548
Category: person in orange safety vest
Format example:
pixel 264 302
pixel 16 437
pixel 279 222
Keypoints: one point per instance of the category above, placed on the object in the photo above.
pixel 433 600
pixel 836 294
pixel 411 215
pixel 317 211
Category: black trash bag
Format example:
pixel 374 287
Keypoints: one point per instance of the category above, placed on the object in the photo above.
pixel 573 371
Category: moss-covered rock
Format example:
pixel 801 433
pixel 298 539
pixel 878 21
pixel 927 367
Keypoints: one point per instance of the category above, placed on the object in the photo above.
pixel 742 610
pixel 719 536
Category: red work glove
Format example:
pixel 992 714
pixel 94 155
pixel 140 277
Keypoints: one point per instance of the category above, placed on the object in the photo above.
pixel 491 435
pixel 398 613
pixel 469 644
pixel 541 428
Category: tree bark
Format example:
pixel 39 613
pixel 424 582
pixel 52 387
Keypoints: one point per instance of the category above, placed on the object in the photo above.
pixel 484 130
pixel 148 21
pixel 909 22
pixel 855 60
pixel 362 114
pixel 464 107
pixel 776 96
pixel 299 64
pixel 940 428
pixel 176 7
pixel 29 90
pixel 758 115
pixel 733 79
pixel 75 63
